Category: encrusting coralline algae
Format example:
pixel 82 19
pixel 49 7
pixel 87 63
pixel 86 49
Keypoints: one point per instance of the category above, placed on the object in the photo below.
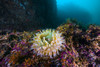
pixel 76 48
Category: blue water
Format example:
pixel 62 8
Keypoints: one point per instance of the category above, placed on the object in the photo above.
pixel 86 11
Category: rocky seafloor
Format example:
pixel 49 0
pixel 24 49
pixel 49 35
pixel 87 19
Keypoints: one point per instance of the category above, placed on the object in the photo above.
pixel 82 48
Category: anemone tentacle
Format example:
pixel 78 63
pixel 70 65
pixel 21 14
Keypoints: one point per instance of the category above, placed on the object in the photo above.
pixel 48 43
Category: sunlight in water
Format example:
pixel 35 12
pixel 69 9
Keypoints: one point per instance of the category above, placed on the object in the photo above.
pixel 91 6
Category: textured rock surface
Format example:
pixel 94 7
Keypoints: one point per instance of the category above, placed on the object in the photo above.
pixel 26 14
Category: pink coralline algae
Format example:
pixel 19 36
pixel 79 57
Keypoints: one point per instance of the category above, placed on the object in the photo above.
pixel 81 48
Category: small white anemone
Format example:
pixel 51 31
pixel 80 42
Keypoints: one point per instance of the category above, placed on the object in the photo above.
pixel 48 43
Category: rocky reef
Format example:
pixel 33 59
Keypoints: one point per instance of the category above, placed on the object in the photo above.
pixel 25 15
pixel 81 48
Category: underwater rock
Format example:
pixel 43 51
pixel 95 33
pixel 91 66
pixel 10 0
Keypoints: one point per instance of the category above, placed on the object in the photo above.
pixel 27 14
pixel 4 50
pixel 81 48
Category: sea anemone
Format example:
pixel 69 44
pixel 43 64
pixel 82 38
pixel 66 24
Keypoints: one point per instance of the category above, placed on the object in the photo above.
pixel 48 43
